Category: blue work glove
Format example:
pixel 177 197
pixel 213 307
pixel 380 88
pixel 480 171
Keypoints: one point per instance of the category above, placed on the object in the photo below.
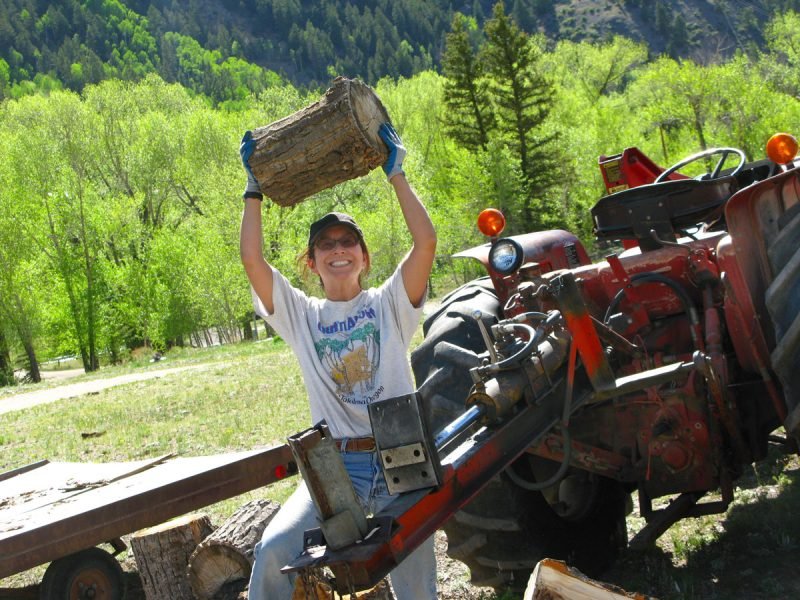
pixel 246 148
pixel 397 152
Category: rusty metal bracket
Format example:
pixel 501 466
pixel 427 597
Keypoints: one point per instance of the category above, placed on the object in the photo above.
pixel 406 448
pixel 584 335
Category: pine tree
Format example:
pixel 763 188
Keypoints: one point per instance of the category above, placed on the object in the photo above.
pixel 523 15
pixel 522 98
pixel 468 118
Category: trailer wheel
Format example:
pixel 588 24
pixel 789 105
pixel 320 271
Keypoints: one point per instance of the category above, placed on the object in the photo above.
pixel 505 530
pixel 89 574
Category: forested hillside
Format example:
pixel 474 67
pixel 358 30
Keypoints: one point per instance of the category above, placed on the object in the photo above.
pixel 120 188
pixel 214 46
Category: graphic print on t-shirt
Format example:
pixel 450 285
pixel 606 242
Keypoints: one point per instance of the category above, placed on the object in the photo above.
pixel 350 351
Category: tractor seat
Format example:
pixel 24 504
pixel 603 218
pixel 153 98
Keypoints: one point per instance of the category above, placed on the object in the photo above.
pixel 665 207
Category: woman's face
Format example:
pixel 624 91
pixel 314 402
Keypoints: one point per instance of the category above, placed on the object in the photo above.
pixel 338 256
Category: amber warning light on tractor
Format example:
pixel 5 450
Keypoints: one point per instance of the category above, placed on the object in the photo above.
pixel 491 222
pixel 782 148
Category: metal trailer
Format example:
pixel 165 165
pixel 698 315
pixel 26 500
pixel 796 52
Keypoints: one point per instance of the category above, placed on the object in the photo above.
pixel 59 512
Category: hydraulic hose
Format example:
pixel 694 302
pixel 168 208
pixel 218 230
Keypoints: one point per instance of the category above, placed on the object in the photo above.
pixel 535 337
pixel 537 486
pixel 651 277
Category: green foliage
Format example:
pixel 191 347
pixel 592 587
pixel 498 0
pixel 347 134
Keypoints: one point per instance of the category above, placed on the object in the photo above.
pixel 224 80
pixel 204 44
pixel 783 40
pixel 46 46
pixel 119 208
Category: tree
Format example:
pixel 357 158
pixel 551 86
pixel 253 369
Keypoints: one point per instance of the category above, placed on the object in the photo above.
pixel 522 11
pixel 590 112
pixel 6 368
pixel 522 98
pixel 678 37
pixel 748 111
pixel 469 117
pixel 596 69
pixel 18 310
pixel 18 277
pixel 671 92
pixel 51 183
pixel 782 35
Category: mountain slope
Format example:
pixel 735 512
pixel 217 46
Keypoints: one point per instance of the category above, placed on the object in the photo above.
pixel 213 46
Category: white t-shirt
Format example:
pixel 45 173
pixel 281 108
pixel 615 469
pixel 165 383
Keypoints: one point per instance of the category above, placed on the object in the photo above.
pixel 351 353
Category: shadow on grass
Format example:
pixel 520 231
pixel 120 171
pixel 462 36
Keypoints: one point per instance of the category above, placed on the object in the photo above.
pixel 752 551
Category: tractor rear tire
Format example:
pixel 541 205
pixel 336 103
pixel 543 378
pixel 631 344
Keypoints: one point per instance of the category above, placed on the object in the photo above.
pixel 505 530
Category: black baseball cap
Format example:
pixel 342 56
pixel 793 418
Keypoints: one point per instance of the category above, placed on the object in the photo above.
pixel 332 218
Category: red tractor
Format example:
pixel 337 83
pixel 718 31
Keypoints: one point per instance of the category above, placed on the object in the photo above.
pixel 662 370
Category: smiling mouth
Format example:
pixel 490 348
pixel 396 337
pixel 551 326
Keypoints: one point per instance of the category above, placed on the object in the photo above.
pixel 340 263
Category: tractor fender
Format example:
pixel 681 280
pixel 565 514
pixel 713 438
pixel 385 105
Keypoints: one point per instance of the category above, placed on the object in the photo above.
pixel 552 249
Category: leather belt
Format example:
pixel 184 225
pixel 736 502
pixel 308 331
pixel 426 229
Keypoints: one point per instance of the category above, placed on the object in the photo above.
pixel 363 444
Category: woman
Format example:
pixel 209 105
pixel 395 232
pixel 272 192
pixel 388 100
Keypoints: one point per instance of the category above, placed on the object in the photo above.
pixel 352 347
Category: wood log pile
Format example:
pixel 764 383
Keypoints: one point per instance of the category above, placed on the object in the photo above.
pixel 187 559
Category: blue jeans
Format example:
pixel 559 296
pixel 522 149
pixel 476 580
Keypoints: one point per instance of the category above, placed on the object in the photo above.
pixel 282 541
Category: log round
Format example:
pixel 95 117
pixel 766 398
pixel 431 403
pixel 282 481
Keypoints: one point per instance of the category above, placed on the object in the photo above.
pixel 162 553
pixel 330 141
pixel 227 554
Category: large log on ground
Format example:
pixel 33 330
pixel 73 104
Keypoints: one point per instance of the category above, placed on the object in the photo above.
pixel 162 553
pixel 326 143
pixel 227 554
pixel 554 580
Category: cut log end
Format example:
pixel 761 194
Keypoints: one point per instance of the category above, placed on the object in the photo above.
pixel 369 116
pixel 226 555
pixel 554 580
pixel 216 566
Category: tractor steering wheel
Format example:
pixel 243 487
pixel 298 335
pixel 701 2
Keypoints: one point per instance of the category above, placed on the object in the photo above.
pixel 725 152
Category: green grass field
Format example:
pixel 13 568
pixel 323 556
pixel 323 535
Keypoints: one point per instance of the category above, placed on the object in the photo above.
pixel 244 395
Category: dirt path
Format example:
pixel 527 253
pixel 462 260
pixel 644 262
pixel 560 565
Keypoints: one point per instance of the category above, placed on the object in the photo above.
pixel 29 399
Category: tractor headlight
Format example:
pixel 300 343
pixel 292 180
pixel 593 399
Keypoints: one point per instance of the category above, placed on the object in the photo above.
pixel 506 256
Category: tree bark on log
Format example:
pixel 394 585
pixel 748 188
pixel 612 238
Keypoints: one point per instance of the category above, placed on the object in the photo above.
pixel 326 143
pixel 227 554
pixel 162 553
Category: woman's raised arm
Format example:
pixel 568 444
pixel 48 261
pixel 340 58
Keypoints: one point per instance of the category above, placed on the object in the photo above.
pixel 251 234
pixel 417 264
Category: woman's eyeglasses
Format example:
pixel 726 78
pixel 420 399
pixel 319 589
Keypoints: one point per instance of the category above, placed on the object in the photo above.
pixel 328 244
